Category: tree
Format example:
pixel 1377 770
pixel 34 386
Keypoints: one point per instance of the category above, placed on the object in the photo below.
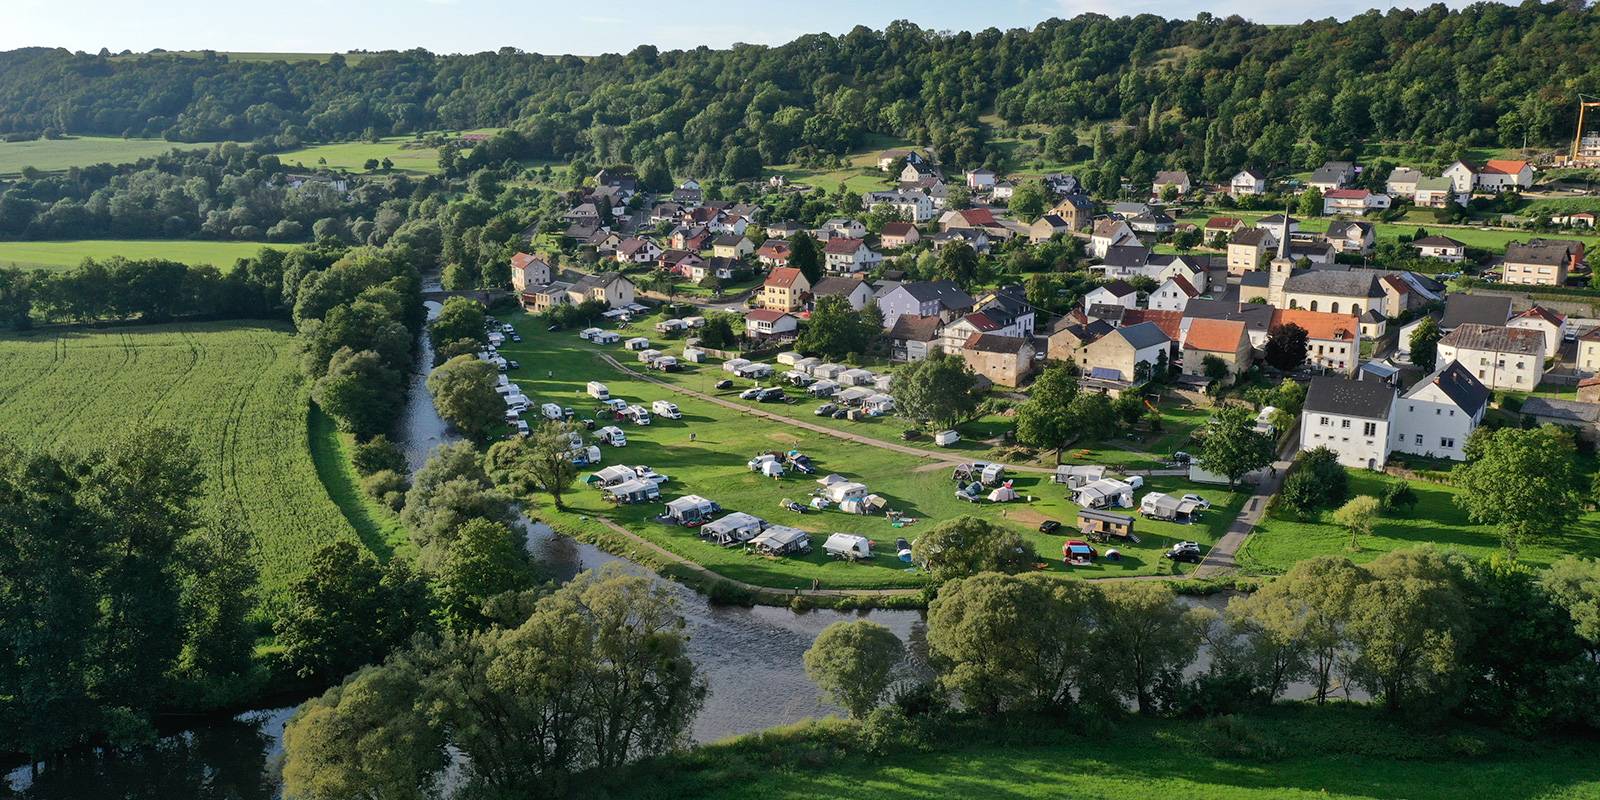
pixel 1012 642
pixel 1028 200
pixel 463 390
pixel 1318 481
pixel 852 663
pixel 460 318
pixel 805 255
pixel 346 611
pixel 957 262
pixel 1214 369
pixel 1296 624
pixel 1357 515
pixel 969 545
pixel 539 462
pixel 370 165
pixel 1574 583
pixel 835 330
pixel 1310 203
pixel 482 560
pixel 1425 344
pixel 1521 481
pixel 378 454
pixel 359 392
pixel 1045 419
pixel 941 388
pixel 1407 626
pixel 215 603
pixel 1143 635
pixel 1233 447
pixel 367 737
pixel 718 332
pixel 1286 347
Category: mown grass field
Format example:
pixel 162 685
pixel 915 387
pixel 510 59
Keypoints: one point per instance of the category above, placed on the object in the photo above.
pixel 861 174
pixel 1489 239
pixel 1280 540
pixel 55 155
pixel 556 366
pixel 408 155
pixel 1334 753
pixel 61 255
pixel 234 388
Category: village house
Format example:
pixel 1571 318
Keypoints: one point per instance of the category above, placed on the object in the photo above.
pixel 1500 358
pixel 942 299
pixel 1109 233
pixel 1589 352
pixel 1247 249
pixel 1005 360
pixel 1247 182
pixel 1437 193
pixel 917 169
pixel 897 235
pixel 1351 236
pixel 1351 418
pixel 785 289
pixel 1315 251
pixel 980 180
pixel 1155 221
pixel 955 334
pixel 1172 295
pixel 909 204
pixel 974 238
pixel 1549 324
pixel 1498 175
pixel 981 218
pixel 1437 415
pixel 1009 305
pixel 766 323
pixel 1257 317
pixel 1069 336
pixel 773 253
pixel 612 288
pixel 855 291
pixel 1225 339
pixel 1048 227
pixel 528 270
pixel 1402 182
pixel 1540 262
pixel 1077 210
pixel 842 227
pixel 783 229
pixel 1117 355
pixel 1481 309
pixel 732 245
pixel 1463 177
pixel 1353 201
pixel 1221 226
pixel 1003 190
pixel 889 159
pixel 634 250
pixel 913 337
pixel 846 256
pixel 1332 175
pixel 1578 219
pixel 1176 179
pixel 1117 293
pixel 1333 341
pixel 1282 227
pixel 1443 248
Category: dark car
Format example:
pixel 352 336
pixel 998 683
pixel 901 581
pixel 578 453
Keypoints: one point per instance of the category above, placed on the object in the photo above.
pixel 773 395
pixel 724 384
pixel 825 409
pixel 910 434
pixel 841 414
pixel 1049 526
pixel 553 328
pixel 803 464
pixel 1184 552
pixel 513 364
pixel 516 337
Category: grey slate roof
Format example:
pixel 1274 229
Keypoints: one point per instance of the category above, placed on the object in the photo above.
pixel 1472 336
pixel 1344 283
pixel 1145 334
pixel 1563 410
pixel 1459 384
pixel 1551 255
pixel 1127 256
pixel 1255 316
pixel 1366 399
pixel 1483 309
pixel 1254 237
pixel 947 293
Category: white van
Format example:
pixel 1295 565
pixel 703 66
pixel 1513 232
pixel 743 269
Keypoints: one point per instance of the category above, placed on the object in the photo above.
pixel 848 546
pixel 518 402
pixel 666 409
pixel 598 391
pixel 612 435
pixel 640 415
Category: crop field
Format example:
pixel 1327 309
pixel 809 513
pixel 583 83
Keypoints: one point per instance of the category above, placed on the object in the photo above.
pixel 1282 539
pixel 234 388
pixel 55 155
pixel 62 255
pixel 556 366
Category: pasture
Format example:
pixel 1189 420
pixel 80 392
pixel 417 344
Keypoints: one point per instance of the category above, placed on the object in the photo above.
pixel 61 255
pixel 234 388
pixel 409 155
pixel 56 155
pixel 556 366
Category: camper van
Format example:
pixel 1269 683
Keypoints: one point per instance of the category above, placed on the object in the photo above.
pixel 666 409
pixel 639 414
pixel 612 435
pixel 518 402
pixel 598 391
pixel 848 546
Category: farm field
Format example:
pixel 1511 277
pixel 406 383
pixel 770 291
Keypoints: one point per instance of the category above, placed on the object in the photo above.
pixel 556 366
pixel 55 155
pixel 408 155
pixel 60 255
pixel 1332 753
pixel 1280 540
pixel 234 387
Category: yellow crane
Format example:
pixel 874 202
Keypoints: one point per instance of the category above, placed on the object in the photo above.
pixel 1585 144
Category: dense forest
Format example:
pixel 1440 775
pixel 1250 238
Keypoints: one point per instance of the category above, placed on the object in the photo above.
pixel 1209 94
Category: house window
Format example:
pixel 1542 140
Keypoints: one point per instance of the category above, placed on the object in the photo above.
pixel 1344 423
pixel 1419 438
pixel 1369 429
pixel 1325 421
pixel 1446 442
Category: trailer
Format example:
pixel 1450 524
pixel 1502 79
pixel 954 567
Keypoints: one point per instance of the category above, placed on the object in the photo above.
pixel 781 540
pixel 848 546
pixel 664 408
pixel 612 435
pixel 691 511
pixel 633 491
pixel 733 529
pixel 1158 505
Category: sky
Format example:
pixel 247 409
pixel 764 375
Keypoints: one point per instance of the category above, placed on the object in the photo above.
pixel 544 26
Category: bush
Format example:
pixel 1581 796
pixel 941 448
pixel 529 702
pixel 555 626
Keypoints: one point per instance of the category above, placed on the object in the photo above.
pixel 387 487
pixel 1235 738
pixel 1398 498
pixel 378 454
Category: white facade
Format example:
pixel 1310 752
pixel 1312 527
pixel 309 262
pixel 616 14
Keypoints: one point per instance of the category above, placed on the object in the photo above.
pixel 1169 297
pixel 1462 177
pixel 1497 370
pixel 1428 423
pixel 1103 296
pixel 1245 183
pixel 1360 443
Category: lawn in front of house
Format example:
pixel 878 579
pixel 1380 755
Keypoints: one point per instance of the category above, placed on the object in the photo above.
pixel 1280 540
pixel 556 366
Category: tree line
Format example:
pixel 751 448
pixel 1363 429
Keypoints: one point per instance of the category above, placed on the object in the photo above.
pixel 1209 94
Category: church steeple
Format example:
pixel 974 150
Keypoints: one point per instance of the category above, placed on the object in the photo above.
pixel 1282 266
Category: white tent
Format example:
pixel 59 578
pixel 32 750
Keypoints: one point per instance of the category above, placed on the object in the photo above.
pixel 606 337
pixel 822 388
pixel 857 377
pixel 637 343
pixel 649 355
pixel 848 490
pixel 848 545
pixel 832 478
pixel 781 539
pixel 807 364
pixel 878 404
pixel 1104 493
pixel 613 475
pixel 788 358
pixel 1002 494
pixel 634 491
pixel 694 355
pixel 828 371
pixel 1075 475
pixel 772 469
pixel 589 333
pixel 854 395
pixel 690 508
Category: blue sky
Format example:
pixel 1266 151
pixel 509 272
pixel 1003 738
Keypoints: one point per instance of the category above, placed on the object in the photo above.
pixel 449 26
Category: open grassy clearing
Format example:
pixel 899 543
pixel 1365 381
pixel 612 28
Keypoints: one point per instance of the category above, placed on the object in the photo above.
pixel 1280 540
pixel 556 366
pixel 1342 752
pixel 55 155
pixel 1484 238
pixel 61 255
pixel 408 154
pixel 862 174
pixel 378 526
pixel 235 388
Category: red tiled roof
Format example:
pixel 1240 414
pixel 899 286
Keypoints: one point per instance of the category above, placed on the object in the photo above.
pixel 765 315
pixel 842 246
pixel 784 276
pixel 1503 166
pixel 977 216
pixel 982 323
pixel 1317 324
pixel 1228 223
pixel 1346 194
pixel 1170 322
pixel 522 260
pixel 897 228
pixel 1543 313
pixel 1185 286
pixel 1214 335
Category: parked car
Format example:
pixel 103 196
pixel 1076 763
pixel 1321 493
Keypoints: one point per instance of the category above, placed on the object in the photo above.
pixel 841 413
pixel 825 409
pixel 1200 502
pixel 1184 552
pixel 724 384
pixel 516 337
pixel 751 393
pixel 770 395
pixel 1181 457
pixel 514 364
pixel 1049 526
pixel 910 434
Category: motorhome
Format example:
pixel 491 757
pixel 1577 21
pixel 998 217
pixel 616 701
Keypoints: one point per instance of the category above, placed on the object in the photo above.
pixel 666 409
pixel 598 391
pixel 612 435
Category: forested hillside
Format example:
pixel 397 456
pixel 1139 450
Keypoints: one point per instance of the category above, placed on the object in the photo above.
pixel 1208 94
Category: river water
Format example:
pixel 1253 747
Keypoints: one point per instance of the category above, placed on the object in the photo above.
pixel 749 657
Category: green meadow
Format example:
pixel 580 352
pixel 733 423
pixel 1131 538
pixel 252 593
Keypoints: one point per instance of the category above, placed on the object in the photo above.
pixel 64 254
pixel 55 155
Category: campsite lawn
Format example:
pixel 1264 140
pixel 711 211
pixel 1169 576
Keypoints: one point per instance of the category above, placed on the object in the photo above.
pixel 1280 540
pixel 61 255
pixel 234 388
pixel 1339 752
pixel 55 155
pixel 556 366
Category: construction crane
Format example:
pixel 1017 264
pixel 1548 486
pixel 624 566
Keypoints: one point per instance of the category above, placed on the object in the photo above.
pixel 1585 144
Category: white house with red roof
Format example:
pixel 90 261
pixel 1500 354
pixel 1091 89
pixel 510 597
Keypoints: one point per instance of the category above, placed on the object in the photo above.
pixel 848 256
pixel 1353 201
pixel 968 218
pixel 1498 175
pixel 634 250
pixel 765 323
pixel 955 334
pixel 1173 294
pixel 528 270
